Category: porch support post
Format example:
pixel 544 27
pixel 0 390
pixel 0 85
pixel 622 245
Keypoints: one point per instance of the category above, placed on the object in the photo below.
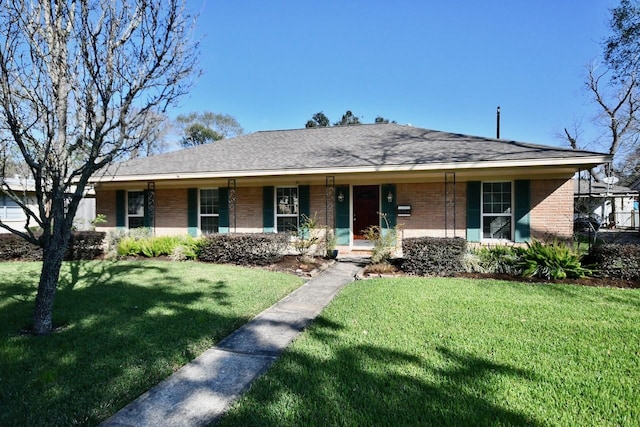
pixel 150 208
pixel 329 201
pixel 329 208
pixel 231 185
pixel 449 203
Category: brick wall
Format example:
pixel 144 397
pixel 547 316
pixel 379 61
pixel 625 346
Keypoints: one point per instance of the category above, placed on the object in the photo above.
pixel 106 205
pixel 318 205
pixel 551 208
pixel 427 218
pixel 248 210
pixel 551 213
pixel 171 212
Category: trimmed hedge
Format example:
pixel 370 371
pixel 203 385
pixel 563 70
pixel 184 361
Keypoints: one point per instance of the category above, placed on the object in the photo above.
pixel 83 245
pixel 432 256
pixel 244 249
pixel 616 261
pixel 15 248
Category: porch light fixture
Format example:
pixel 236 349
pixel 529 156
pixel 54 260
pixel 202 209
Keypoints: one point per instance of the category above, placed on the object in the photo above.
pixel 340 197
pixel 390 197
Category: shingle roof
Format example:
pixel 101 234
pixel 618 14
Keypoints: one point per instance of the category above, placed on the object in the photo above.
pixel 358 146
pixel 581 187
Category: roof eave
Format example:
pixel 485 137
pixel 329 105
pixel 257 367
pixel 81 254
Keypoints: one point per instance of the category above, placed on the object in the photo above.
pixel 575 162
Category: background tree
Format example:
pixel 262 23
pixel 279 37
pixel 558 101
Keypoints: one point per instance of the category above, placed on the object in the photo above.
pixel 318 120
pixel 382 120
pixel 156 142
pixel 622 48
pixel 202 128
pixel 348 119
pixel 78 82
pixel 614 88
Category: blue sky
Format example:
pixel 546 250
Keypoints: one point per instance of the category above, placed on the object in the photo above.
pixel 443 65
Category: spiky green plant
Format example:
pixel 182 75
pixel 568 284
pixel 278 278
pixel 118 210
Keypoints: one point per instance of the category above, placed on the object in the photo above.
pixel 554 260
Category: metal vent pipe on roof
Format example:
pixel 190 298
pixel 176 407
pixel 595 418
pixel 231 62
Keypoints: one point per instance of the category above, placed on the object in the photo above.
pixel 498 123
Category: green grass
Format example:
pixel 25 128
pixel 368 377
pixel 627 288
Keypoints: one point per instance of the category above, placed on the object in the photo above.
pixel 458 352
pixel 122 328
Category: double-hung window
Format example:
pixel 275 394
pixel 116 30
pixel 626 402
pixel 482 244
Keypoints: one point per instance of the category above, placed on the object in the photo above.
pixel 497 211
pixel 286 209
pixel 135 209
pixel 209 210
pixel 10 210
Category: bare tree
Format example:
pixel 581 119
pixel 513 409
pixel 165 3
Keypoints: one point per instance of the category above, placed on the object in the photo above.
pixel 78 80
pixel 158 127
pixel 619 106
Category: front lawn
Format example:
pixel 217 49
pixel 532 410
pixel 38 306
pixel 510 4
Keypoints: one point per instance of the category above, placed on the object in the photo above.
pixel 413 351
pixel 121 328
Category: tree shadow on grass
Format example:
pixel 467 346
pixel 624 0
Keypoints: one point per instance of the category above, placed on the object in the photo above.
pixel 372 385
pixel 113 343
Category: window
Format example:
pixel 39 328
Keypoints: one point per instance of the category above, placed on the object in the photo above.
pixel 9 210
pixel 209 211
pixel 286 209
pixel 135 209
pixel 496 210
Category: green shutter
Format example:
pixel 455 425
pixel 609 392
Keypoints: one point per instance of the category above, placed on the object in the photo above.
pixel 268 212
pixel 343 219
pixel 474 226
pixel 192 211
pixel 304 201
pixel 388 208
pixel 121 208
pixel 223 219
pixel 522 207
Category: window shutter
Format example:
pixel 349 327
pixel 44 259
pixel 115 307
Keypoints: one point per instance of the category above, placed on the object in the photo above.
pixel 223 220
pixel 268 212
pixel 474 227
pixel 343 219
pixel 192 211
pixel 304 202
pixel 522 207
pixel 388 208
pixel 121 201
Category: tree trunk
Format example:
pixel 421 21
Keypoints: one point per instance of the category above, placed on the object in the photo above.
pixel 52 256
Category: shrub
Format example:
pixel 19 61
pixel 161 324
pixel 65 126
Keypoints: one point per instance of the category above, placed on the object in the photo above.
pixel 500 259
pixel 616 261
pixel 152 247
pixel 553 260
pixel 384 241
pixel 244 249
pixel 433 256
pixel 307 235
pixel 83 245
pixel 15 248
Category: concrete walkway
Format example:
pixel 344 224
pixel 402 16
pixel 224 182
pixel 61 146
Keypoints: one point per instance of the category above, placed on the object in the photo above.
pixel 200 392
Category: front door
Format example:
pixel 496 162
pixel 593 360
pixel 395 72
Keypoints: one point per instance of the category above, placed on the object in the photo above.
pixel 366 204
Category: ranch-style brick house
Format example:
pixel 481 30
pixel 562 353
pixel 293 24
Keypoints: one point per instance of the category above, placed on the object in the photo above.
pixel 428 183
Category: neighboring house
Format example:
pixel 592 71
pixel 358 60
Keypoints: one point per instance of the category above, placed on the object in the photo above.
pixel 616 205
pixel 12 215
pixel 429 183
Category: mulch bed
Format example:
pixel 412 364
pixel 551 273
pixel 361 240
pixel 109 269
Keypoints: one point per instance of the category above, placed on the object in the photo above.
pixel 586 281
pixel 376 271
pixel 301 266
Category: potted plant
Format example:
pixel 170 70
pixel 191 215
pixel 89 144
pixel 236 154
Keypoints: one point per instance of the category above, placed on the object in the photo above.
pixel 331 241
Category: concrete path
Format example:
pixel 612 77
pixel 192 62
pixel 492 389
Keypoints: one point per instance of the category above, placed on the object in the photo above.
pixel 200 392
